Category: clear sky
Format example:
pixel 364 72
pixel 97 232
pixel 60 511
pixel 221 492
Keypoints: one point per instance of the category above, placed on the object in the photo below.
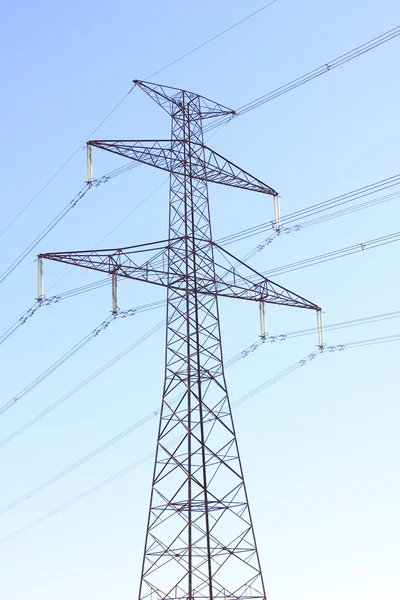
pixel 320 448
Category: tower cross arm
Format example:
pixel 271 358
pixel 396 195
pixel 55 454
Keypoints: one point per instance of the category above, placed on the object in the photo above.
pixel 145 262
pixel 148 263
pixel 181 158
pixel 171 100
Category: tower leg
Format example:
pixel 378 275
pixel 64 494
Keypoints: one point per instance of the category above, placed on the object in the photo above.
pixel 200 541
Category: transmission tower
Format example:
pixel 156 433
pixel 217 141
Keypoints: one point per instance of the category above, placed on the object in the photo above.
pixel 200 540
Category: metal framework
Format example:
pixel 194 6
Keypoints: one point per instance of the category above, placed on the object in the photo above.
pixel 200 540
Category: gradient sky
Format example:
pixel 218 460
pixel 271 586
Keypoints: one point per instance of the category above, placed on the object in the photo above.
pixel 320 448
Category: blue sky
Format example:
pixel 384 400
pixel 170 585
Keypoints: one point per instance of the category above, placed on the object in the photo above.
pixel 320 448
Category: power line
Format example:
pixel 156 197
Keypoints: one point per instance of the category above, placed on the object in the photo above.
pixel 308 358
pixel 347 251
pixel 253 14
pixel 8 331
pixel 363 247
pixel 374 43
pixel 63 359
pixel 153 414
pixel 325 68
pixel 131 212
pixel 116 173
pixel 82 496
pixel 365 342
pixel 308 262
pixel 315 209
pixel 368 190
pixel 122 472
pixel 66 210
pixel 233 360
pixel 28 204
pixel 82 384
pixel 321 207
pixel 320 219
pixel 293 217
pixel 76 464
pixel 47 301
pixel 313 330
pixel 333 348
pixel 362 343
pixel 57 364
pixel 333 64
pixel 45 232
pixel 328 256
pixel 321 258
pixel 71 204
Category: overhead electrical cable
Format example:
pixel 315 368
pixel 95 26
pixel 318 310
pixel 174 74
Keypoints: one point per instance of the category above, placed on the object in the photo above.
pixel 308 358
pixel 57 364
pixel 82 496
pixel 131 212
pixel 232 361
pixel 320 207
pixel 111 175
pixel 329 349
pixel 82 384
pixel 253 14
pixel 362 343
pixel 307 262
pixel 321 258
pixel 374 43
pixel 281 337
pixel 76 464
pixel 368 190
pixel 333 255
pixel 112 111
pixel 45 232
pixel 309 76
pixel 20 213
pixel 8 331
pixel 129 467
pixel 47 301
pixel 321 219
pixel 71 204
pixel 325 68
pixel 63 359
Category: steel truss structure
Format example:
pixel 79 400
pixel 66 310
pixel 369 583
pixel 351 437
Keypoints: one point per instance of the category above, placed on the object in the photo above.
pixel 200 541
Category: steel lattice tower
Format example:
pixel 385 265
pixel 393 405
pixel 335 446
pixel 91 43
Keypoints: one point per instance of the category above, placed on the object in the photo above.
pixel 200 540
